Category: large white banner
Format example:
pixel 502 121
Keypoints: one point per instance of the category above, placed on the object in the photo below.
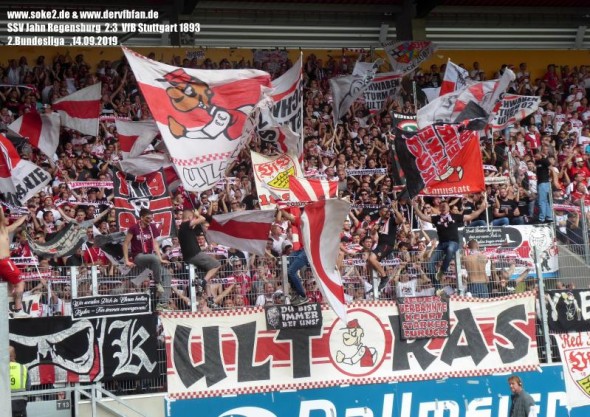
pixel 513 108
pixel 271 175
pixel 285 111
pixel 232 352
pixel 205 116
pixel 574 349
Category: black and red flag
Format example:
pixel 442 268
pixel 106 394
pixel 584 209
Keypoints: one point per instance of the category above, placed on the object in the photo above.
pixel 134 192
pixel 444 157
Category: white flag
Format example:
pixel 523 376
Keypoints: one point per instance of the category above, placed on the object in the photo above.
pixel 205 116
pixel 321 226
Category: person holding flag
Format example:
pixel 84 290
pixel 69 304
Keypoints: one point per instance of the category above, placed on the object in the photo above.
pixel 298 259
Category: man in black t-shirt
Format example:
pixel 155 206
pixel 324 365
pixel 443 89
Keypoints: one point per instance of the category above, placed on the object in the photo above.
pixel 188 231
pixel 543 187
pixel 447 227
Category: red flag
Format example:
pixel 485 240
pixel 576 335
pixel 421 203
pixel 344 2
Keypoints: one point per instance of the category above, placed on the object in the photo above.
pixel 246 230
pixel 465 172
pixel 429 157
pixel 135 137
pixel 321 224
pixel 80 111
pixel 303 189
pixel 42 130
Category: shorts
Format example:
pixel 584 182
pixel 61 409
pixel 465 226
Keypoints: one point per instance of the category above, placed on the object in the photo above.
pixel 9 272
pixel 383 251
pixel 204 262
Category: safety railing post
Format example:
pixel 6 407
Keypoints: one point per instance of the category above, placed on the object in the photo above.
pixel 543 306
pixel 192 290
pixel 94 276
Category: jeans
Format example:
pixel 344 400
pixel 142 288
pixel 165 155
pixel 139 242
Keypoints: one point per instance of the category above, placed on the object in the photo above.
pixel 161 276
pixel 496 222
pixel 446 250
pixel 297 261
pixel 479 289
pixel 543 190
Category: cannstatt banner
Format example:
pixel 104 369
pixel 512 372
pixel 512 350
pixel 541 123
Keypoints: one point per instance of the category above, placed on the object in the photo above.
pixel 234 352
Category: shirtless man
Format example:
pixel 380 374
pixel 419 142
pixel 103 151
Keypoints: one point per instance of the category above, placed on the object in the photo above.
pixel 8 270
pixel 475 263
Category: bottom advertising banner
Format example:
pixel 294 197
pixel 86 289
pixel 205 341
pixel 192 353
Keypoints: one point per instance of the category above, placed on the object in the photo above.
pixel 481 396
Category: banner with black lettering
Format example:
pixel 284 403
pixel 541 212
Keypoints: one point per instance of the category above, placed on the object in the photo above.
pixel 568 310
pixel 134 192
pixel 381 88
pixel 513 108
pixel 59 350
pixel 285 112
pixel 233 353
pixel 19 179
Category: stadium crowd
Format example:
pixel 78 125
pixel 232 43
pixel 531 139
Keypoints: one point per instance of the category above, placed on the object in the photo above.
pixel 384 233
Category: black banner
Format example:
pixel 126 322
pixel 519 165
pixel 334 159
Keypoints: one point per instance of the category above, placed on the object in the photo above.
pixel 59 349
pixel 110 305
pixel 132 193
pixel 65 242
pixel 423 317
pixel 568 310
pixel 285 316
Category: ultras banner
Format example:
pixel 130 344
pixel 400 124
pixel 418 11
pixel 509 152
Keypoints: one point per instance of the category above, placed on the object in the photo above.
pixel 232 352
pixel 58 349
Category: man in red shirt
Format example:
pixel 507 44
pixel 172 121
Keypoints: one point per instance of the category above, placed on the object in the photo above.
pixel 141 251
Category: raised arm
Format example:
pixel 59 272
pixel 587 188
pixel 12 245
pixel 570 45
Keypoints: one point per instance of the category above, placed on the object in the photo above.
pixel 419 213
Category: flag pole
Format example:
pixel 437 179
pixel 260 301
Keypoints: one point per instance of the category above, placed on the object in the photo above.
pixel 301 135
pixel 415 96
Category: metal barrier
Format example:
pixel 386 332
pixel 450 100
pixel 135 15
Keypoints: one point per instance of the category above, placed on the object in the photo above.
pixel 243 282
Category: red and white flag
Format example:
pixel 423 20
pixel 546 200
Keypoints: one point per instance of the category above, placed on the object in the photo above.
pixel 446 108
pixel 80 111
pixel 19 179
pixel 205 116
pixel 42 130
pixel 135 137
pixel 455 78
pixel 406 56
pixel 513 108
pixel 311 189
pixel 321 224
pixel 246 230
pixel 281 122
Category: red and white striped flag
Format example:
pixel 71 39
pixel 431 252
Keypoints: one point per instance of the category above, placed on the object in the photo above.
pixel 42 130
pixel 205 116
pixel 246 230
pixel 321 224
pixel 455 79
pixel 80 111
pixel 19 179
pixel 135 137
pixel 303 189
